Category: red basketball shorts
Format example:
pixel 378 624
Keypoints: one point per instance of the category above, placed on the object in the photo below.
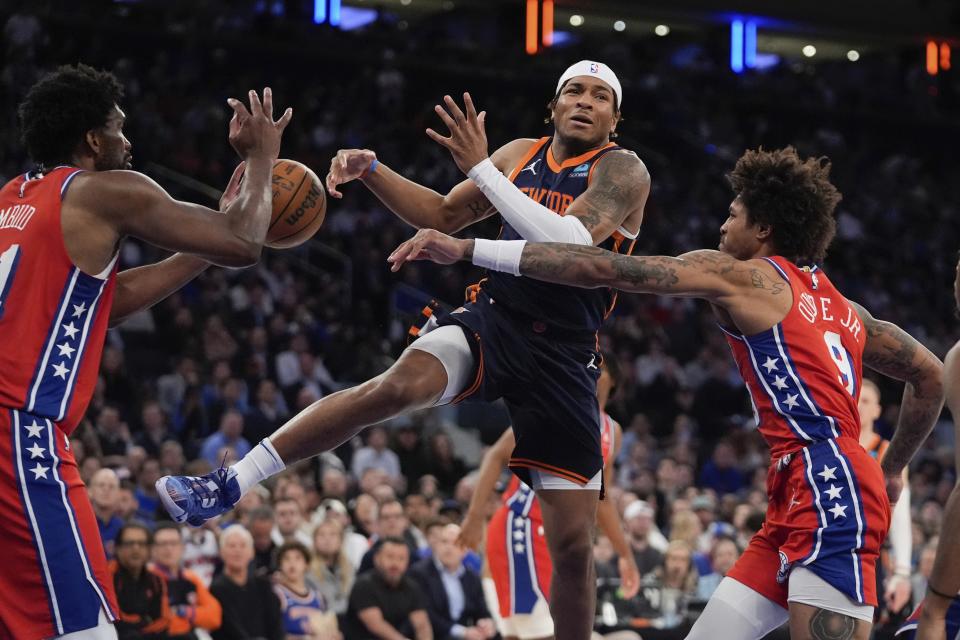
pixel 829 512
pixel 519 562
pixel 53 572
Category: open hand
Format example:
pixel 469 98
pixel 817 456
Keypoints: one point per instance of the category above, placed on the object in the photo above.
pixel 467 141
pixel 255 132
pixel 429 244
pixel 347 165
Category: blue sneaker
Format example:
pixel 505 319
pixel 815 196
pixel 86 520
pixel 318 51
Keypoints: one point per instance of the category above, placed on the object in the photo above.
pixel 195 500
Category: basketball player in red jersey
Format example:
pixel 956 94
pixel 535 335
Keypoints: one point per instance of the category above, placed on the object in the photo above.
pixel 516 551
pixel 800 346
pixel 61 226
pixel 531 343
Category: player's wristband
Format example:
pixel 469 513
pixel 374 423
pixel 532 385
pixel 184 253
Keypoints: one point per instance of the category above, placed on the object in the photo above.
pixel 370 169
pixel 499 255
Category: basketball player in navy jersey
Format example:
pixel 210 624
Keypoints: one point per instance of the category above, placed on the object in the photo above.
pixel 800 346
pixel 531 343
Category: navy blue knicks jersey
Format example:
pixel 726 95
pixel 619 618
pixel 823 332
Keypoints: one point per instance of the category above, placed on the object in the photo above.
pixel 555 185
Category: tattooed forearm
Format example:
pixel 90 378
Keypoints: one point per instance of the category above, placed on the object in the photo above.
pixel 691 275
pixel 917 418
pixel 895 353
pixel 829 625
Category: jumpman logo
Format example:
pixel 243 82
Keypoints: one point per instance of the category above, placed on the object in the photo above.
pixel 793 501
pixel 532 168
pixel 590 364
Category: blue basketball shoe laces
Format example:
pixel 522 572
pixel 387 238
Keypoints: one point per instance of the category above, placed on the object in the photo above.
pixel 195 500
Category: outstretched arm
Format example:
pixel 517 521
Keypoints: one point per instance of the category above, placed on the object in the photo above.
pixel 142 287
pixel 895 353
pixel 415 204
pixel 707 274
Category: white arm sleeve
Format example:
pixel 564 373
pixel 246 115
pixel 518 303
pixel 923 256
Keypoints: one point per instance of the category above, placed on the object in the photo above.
pixel 533 221
pixel 901 533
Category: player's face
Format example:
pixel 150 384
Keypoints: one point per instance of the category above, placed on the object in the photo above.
pixel 585 111
pixel 114 150
pixel 738 237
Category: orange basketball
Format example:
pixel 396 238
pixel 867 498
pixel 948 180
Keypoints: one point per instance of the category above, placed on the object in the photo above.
pixel 299 205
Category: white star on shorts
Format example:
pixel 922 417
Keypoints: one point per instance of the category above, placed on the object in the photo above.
pixel 40 471
pixel 838 511
pixel 834 492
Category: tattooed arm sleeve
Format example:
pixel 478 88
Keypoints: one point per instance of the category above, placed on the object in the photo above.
pixel 895 353
pixel 706 274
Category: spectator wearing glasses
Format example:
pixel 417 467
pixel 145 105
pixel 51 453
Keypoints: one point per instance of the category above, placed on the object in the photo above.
pixel 192 606
pixel 141 593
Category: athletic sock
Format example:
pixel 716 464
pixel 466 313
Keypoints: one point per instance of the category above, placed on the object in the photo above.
pixel 258 465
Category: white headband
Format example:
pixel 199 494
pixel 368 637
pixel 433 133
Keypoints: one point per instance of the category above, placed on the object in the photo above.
pixel 597 70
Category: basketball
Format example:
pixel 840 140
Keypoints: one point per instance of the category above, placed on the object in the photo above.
pixel 299 205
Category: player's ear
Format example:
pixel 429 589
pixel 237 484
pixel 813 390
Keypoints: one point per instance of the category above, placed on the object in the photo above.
pixel 764 231
pixel 92 140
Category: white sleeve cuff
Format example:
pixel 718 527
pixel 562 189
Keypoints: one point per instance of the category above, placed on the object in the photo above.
pixel 533 221
pixel 901 532
pixel 498 255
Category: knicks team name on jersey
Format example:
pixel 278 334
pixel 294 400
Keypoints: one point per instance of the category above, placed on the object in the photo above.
pixel 556 201
pixel 17 216
pixel 810 308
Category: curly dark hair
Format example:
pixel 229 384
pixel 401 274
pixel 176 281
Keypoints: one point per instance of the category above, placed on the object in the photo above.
pixel 59 110
pixel 794 196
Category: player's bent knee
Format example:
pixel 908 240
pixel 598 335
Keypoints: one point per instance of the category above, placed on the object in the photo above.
pixel 809 623
pixel 447 350
pixel 416 380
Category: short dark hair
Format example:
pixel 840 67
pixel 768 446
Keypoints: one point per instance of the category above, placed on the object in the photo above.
pixel 59 110
pixel 794 196
pixel 294 546
pixel 391 540
pixel 139 526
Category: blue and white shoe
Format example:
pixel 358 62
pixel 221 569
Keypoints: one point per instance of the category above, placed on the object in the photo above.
pixel 195 500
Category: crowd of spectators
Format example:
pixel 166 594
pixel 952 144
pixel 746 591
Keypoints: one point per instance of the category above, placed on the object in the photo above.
pixel 191 384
